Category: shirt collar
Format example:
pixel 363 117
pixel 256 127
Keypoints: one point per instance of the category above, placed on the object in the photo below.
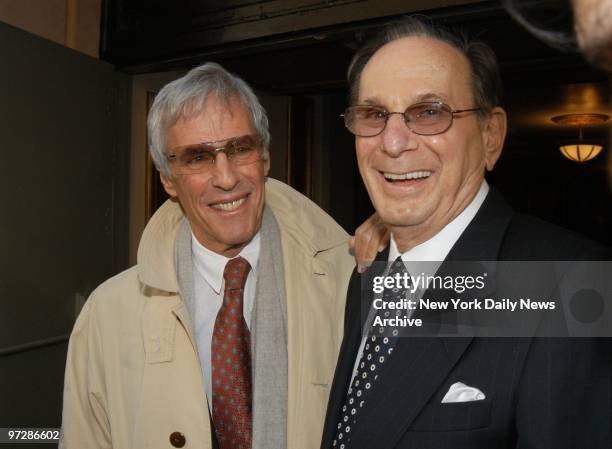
pixel 438 247
pixel 211 265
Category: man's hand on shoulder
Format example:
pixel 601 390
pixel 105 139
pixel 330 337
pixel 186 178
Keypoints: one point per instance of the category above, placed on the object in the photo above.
pixel 370 238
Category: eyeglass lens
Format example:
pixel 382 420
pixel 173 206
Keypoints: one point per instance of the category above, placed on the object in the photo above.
pixel 196 158
pixel 422 118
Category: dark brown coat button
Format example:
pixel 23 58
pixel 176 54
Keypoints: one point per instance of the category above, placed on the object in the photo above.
pixel 177 439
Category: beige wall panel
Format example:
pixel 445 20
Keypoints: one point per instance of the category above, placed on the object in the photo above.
pixel 83 26
pixel 45 18
pixel 73 23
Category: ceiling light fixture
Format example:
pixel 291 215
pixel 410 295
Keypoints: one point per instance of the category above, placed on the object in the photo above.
pixel 580 151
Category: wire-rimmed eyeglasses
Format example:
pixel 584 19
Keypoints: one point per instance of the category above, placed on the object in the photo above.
pixel 425 118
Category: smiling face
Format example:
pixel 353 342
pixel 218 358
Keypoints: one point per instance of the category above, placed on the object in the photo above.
pixel 224 203
pixel 444 171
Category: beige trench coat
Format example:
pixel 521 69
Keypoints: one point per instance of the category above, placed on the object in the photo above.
pixel 133 375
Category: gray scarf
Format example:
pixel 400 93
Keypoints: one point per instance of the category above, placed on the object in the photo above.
pixel 268 330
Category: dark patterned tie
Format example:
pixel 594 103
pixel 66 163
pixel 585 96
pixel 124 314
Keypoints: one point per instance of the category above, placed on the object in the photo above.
pixel 231 363
pixel 376 351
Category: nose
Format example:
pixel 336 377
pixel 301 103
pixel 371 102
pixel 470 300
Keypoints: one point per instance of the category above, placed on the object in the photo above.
pixel 225 176
pixel 396 137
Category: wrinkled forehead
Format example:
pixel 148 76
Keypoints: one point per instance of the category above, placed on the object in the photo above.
pixel 213 120
pixel 211 108
pixel 414 69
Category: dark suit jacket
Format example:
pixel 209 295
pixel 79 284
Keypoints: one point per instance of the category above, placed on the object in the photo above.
pixel 541 393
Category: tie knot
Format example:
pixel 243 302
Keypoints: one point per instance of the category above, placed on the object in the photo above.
pixel 398 266
pixel 236 272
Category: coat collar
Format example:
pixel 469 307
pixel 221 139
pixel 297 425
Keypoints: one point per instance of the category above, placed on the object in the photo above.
pixel 302 219
pixel 155 258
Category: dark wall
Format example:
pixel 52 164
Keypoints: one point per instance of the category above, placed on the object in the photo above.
pixel 63 122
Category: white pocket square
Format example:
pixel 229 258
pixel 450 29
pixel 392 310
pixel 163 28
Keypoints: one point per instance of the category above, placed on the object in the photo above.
pixel 460 392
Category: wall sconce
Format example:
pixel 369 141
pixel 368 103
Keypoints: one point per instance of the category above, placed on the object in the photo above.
pixel 580 151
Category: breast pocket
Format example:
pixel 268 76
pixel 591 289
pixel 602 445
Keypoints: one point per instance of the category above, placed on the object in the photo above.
pixel 438 417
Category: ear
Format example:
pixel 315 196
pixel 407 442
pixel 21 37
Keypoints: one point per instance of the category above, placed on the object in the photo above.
pixel 494 135
pixel 168 185
pixel 266 166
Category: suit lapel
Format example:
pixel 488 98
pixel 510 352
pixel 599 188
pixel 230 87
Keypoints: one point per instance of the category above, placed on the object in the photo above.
pixel 419 365
pixel 483 237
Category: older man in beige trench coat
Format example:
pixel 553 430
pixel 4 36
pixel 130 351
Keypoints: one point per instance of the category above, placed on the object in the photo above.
pixel 135 375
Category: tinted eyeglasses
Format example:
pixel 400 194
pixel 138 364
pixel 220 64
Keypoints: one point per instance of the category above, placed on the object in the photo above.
pixel 200 157
pixel 426 118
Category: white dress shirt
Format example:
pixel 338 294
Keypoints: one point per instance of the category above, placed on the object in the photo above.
pixel 209 290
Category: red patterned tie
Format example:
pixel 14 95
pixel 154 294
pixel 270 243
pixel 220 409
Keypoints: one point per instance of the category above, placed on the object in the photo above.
pixel 231 363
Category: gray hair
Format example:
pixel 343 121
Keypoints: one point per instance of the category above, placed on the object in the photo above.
pixel 186 97
pixel 486 81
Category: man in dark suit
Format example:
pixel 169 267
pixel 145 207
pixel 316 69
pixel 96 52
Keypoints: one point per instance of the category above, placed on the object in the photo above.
pixel 427 123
